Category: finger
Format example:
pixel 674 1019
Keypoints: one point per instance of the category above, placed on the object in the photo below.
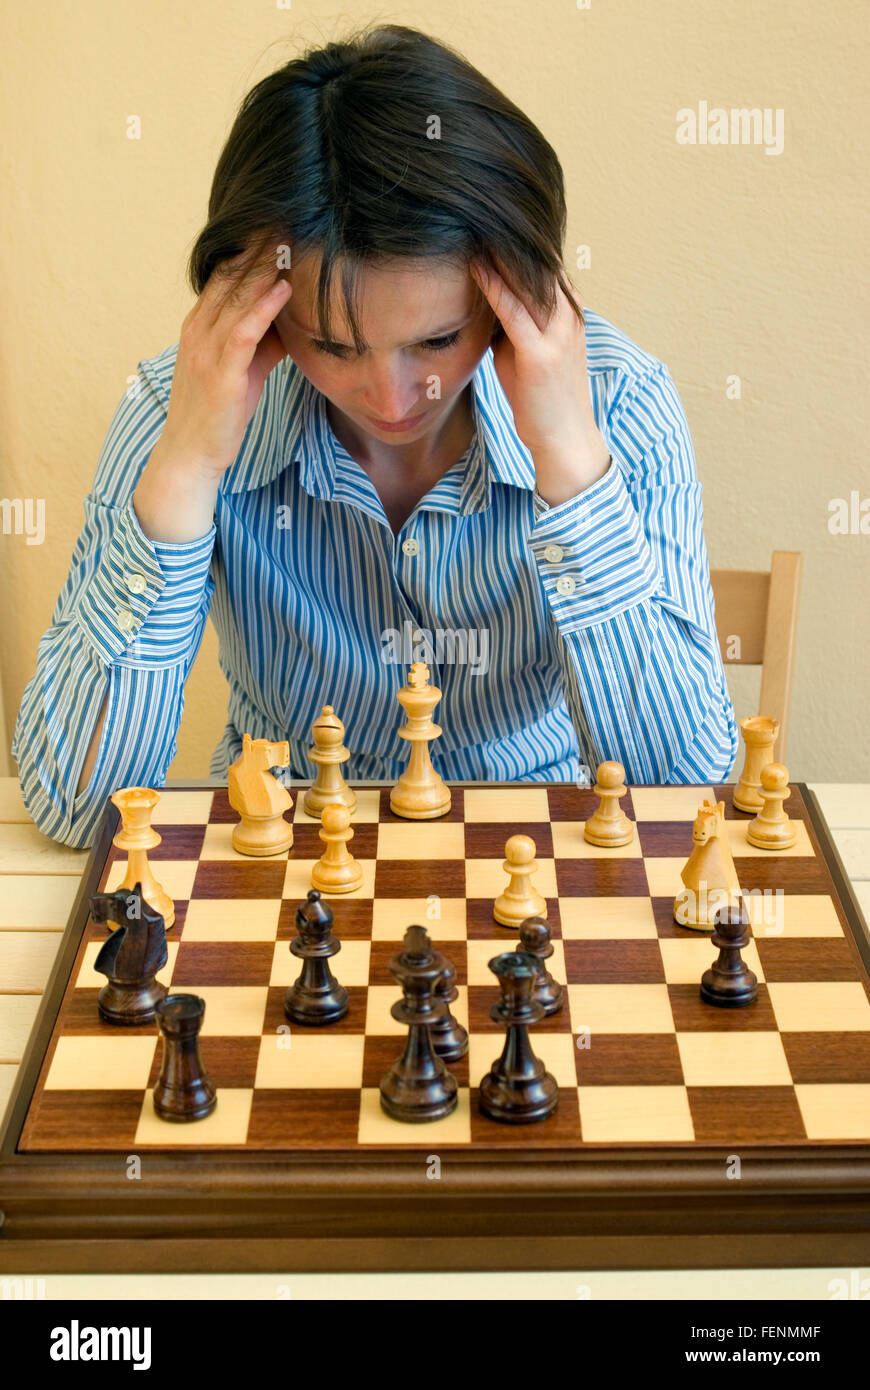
pixel 237 282
pixel 244 334
pixel 519 325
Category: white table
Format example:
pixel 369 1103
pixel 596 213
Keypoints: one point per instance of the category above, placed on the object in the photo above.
pixel 38 882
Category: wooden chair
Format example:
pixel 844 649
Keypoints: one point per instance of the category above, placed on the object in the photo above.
pixel 756 620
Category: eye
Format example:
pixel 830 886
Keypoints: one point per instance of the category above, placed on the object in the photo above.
pixel 439 344
pixel 332 349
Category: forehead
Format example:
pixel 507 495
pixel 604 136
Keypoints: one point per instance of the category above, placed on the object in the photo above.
pixel 398 296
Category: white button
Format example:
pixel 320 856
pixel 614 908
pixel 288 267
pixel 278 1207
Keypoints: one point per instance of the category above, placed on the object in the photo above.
pixel 137 583
pixel 553 553
pixel 410 546
pixel 565 585
pixel 125 620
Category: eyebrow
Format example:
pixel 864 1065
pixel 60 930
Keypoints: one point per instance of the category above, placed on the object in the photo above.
pixel 437 333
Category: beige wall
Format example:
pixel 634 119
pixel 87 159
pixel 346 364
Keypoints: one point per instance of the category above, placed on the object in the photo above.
pixel 722 260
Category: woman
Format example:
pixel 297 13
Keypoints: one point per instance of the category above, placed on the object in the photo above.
pixel 388 431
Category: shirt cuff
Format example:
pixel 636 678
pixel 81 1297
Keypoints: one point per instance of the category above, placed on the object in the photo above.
pixel 143 603
pixel 593 557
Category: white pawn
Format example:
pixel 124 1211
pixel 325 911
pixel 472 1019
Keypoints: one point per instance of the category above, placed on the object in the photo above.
pixel 519 900
pixel 336 871
pixel 608 825
pixel 772 828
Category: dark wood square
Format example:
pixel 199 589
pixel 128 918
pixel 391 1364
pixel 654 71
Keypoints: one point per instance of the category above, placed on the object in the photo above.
pixel 419 878
pixel 484 840
pixel 382 952
pixel 828 1058
pixel 229 879
pixel 74 1120
pixel 692 1015
pixel 222 963
pixel 563 1126
pixel 230 1062
pixel 797 959
pixel 601 878
pixel 735 1115
pixel 276 1021
pixel 623 1059
pixel 381 1052
pixel 613 962
pixel 352 918
pixel 296 1119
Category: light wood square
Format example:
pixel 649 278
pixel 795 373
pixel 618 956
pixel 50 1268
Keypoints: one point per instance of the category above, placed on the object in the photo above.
pixel 568 843
pixel 635 1114
pixel 669 803
pixel 835 1111
pixel 620 1008
pixel 376 1127
pixel 555 1050
pixel 485 878
pixel 232 919
pixel 231 1011
pixel 793 914
pixel 479 953
pixel 88 978
pixel 685 960
pixel 310 1059
pixel 445 919
pixel 607 919
pixel 175 876
pixel 183 808
pixel 350 966
pixel 101 1064
pixel 516 806
pixel 740 846
pixel 227 1123
pixel 218 844
pixel 663 875
pixel 297 881
pixel 733 1059
pixel 366 812
pixel 823 1006
pixel 422 840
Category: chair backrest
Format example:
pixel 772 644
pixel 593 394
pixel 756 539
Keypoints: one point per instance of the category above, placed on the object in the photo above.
pixel 756 621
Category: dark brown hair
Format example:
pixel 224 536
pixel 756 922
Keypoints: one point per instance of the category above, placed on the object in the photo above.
pixel 387 144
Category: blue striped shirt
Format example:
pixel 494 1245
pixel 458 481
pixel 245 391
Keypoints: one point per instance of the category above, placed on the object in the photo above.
pixel 559 636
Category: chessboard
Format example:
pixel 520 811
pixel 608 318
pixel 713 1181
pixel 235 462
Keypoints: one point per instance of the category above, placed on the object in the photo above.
pixel 684 1133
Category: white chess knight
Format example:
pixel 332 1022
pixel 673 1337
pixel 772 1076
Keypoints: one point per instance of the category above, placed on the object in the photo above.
pixel 709 875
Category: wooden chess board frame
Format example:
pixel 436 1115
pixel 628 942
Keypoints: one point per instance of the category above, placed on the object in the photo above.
pixel 646 1207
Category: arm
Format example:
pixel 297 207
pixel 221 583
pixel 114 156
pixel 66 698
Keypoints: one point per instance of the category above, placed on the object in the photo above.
pixel 643 673
pixel 124 634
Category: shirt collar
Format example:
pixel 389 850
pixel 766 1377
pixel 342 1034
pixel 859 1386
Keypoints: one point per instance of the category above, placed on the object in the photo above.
pixel 296 411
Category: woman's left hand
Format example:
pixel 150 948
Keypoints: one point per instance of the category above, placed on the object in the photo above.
pixel 542 368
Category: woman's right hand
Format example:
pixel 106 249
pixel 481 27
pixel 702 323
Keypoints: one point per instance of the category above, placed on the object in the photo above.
pixel 227 348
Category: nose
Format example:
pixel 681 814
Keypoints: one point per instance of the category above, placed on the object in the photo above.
pixel 390 391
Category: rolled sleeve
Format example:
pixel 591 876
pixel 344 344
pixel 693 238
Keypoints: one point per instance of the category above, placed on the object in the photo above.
pixel 143 604
pixel 593 557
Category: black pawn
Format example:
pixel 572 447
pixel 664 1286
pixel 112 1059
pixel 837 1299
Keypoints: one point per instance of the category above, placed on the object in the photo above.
pixel 316 997
pixel 518 1090
pixel 449 1038
pixel 418 1086
pixel 535 941
pixel 184 1089
pixel 729 983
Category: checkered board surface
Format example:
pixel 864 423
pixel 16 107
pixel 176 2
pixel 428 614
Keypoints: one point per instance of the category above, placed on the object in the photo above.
pixel 659 1067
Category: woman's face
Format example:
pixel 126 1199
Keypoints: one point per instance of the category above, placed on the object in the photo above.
pixel 426 325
